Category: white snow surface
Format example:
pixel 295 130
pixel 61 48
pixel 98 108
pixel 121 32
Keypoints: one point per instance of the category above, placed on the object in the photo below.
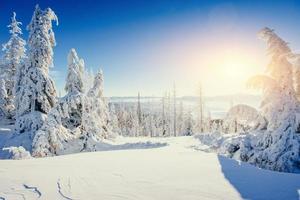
pixel 143 169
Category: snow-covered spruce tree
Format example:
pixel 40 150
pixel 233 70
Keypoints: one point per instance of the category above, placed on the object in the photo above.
pixel 36 95
pixel 276 148
pixel 95 119
pixel 13 59
pixel 74 82
pixel 64 122
pixel 75 90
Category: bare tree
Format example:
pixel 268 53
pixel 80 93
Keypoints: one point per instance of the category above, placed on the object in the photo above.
pixel 169 113
pixel 163 116
pixel 139 112
pixel 201 105
pixel 174 110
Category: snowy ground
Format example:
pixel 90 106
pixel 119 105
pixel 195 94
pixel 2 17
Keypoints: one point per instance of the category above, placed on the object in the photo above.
pixel 164 168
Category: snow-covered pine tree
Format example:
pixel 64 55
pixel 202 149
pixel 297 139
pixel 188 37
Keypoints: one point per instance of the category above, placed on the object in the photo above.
pixel 64 121
pixel 95 116
pixel 36 94
pixel 74 82
pixel 278 147
pixel 13 59
pixel 279 83
pixel 74 88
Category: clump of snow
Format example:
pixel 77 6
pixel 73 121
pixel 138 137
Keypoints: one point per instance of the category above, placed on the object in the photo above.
pixel 212 140
pixel 17 153
pixel 241 115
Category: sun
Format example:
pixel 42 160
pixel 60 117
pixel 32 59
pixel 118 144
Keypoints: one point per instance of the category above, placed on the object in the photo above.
pixel 233 69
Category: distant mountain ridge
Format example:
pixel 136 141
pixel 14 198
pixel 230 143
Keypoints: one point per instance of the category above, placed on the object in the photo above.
pixel 233 97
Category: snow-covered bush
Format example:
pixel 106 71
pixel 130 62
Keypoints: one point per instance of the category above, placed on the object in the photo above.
pixel 213 140
pixel 17 153
pixel 241 115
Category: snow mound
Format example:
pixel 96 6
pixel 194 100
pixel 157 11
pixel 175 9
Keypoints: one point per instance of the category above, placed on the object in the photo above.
pixel 260 148
pixel 17 153
pixel 242 113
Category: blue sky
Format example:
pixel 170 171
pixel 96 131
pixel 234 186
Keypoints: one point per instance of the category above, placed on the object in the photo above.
pixel 147 45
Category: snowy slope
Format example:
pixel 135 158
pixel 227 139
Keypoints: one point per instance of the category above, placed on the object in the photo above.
pixel 134 170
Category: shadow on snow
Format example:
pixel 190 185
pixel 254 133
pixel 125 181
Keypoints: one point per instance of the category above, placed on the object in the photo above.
pixel 138 145
pixel 259 184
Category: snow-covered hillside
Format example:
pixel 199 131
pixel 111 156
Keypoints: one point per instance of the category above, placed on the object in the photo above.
pixel 142 169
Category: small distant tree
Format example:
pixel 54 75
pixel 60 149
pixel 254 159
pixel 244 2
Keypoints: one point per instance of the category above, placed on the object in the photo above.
pixel 180 119
pixel 169 115
pixel 114 119
pixel 139 116
pixel 200 111
pixel 163 120
pixel 3 99
pixel 174 111
pixel 188 123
